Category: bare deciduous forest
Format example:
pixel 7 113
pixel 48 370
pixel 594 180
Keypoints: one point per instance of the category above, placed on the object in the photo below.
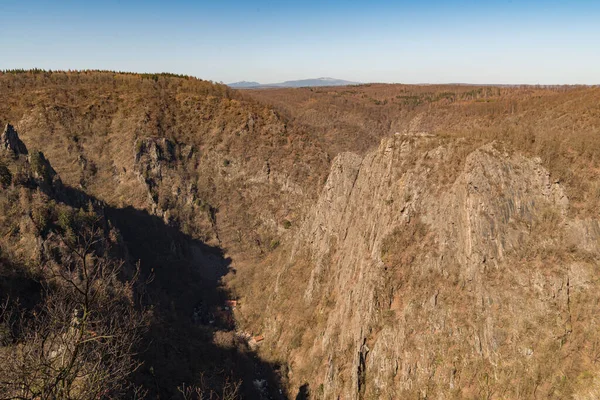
pixel 167 237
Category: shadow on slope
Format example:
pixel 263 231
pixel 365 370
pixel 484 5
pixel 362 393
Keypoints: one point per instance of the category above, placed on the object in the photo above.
pixel 192 339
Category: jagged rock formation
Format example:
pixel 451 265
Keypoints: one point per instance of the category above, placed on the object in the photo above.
pixel 42 171
pixel 438 283
pixel 11 142
pixel 39 167
pixel 42 197
pixel 150 156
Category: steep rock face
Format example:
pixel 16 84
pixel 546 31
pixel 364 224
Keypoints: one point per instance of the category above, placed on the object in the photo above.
pixel 39 168
pixel 11 142
pixel 438 283
pixel 153 156
pixel 43 172
pixel 36 196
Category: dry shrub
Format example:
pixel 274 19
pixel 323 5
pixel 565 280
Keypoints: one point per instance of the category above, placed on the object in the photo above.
pixel 80 340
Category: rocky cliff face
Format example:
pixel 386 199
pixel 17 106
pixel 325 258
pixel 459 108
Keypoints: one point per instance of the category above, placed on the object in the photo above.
pixel 11 142
pixel 440 274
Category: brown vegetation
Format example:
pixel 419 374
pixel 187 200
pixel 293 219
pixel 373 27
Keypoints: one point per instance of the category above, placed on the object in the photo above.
pixel 79 340
pixel 219 195
pixel 557 123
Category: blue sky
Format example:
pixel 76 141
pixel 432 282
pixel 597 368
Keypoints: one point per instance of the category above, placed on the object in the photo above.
pixel 518 41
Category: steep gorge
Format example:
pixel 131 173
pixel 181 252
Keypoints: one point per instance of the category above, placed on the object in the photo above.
pixel 414 264
pixel 423 284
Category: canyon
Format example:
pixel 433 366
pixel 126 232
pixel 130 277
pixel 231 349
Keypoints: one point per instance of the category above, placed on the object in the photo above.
pixel 372 241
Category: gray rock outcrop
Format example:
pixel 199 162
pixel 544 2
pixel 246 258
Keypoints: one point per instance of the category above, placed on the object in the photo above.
pixel 438 262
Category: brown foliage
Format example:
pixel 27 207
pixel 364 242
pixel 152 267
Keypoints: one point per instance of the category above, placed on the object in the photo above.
pixel 79 343
pixel 559 124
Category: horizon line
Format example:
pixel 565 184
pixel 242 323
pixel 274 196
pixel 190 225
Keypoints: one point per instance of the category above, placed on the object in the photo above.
pixel 267 85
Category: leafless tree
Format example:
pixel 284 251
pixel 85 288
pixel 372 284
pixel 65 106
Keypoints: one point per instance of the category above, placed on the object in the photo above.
pixel 80 342
pixel 230 391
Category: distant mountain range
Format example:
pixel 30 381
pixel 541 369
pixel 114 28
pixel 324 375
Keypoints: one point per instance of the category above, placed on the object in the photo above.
pixel 293 84
pixel 244 85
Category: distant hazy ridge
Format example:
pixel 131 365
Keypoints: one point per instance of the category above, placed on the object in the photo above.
pixel 298 83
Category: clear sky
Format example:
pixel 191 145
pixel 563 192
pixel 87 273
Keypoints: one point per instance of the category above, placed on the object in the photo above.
pixel 508 41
